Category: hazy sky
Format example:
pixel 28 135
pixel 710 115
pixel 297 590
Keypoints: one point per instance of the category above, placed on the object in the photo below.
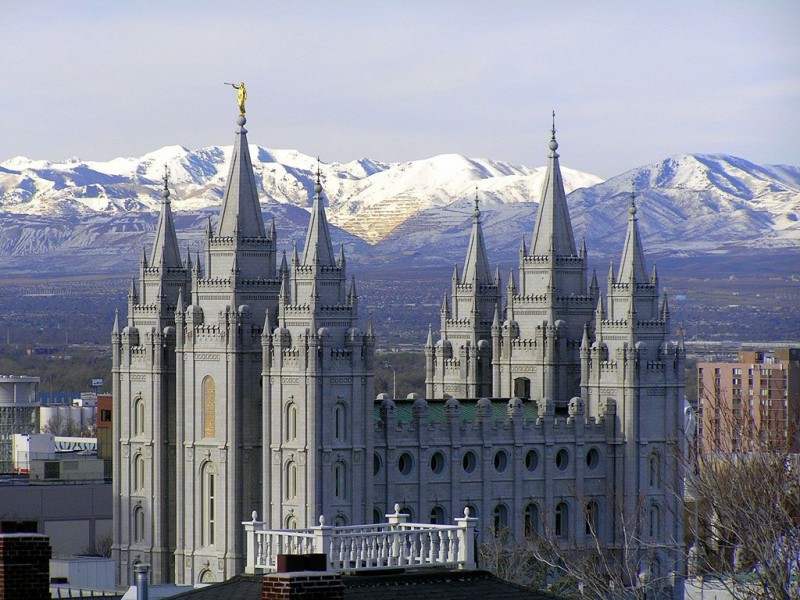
pixel 631 82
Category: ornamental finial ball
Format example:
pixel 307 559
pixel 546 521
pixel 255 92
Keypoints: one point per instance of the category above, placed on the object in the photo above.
pixel 553 145
pixel 632 209
pixel 241 121
pixel 165 193
pixel 317 188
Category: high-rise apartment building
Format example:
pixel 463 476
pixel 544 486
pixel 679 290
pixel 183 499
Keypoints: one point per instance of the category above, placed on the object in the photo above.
pixel 751 404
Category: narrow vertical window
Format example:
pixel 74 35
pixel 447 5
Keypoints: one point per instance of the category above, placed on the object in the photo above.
pixel 340 480
pixel 437 515
pixel 531 519
pixel 209 407
pixel 655 470
pixel 592 512
pixel 290 427
pixel 138 524
pixel 208 508
pixel 138 472
pixel 500 517
pixel 138 416
pixel 562 520
pixel 340 421
pixel 655 522
pixel 291 480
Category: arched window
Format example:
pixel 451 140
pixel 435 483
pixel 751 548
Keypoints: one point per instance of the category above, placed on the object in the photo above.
pixel 340 421
pixel 290 482
pixel 500 517
pixel 377 515
pixel 531 519
pixel 654 522
pixel 655 470
pixel 209 407
pixel 138 416
pixel 339 521
pixel 592 511
pixel 340 480
pixel 138 472
pixel 290 426
pixel 437 515
pixel 206 576
pixel 291 522
pixel 405 510
pixel 208 501
pixel 138 524
pixel 562 520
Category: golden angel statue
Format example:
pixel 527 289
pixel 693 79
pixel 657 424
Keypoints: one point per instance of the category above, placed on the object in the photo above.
pixel 241 95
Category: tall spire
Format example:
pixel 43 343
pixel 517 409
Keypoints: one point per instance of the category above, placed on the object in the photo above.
pixel 318 247
pixel 240 198
pixel 476 265
pixel 631 266
pixel 165 247
pixel 553 226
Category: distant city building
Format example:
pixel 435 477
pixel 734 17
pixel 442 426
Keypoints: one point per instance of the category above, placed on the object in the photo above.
pixel 751 404
pixel 19 412
pixel 244 382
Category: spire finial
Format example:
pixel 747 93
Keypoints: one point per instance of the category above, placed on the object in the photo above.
pixel 165 191
pixel 318 184
pixel 476 213
pixel 553 142
pixel 632 209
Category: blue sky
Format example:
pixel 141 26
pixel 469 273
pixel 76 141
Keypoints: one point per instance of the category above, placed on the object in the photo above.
pixel 631 82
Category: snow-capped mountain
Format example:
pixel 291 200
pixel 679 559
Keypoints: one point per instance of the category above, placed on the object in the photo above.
pixel 366 197
pixel 418 210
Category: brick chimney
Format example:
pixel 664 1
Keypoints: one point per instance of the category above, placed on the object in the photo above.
pixel 308 585
pixel 24 566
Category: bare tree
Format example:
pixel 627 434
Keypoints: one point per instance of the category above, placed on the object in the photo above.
pixel 743 507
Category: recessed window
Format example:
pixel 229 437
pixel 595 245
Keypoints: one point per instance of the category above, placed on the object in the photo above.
pixel 531 460
pixel 592 458
pixel 437 515
pixel 376 464
pixel 437 462
pixel 500 517
pixel 500 461
pixel 562 459
pixel 469 462
pixel 405 463
pixel 562 520
pixel 531 519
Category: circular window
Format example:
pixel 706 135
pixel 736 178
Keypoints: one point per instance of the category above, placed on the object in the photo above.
pixel 500 461
pixel 562 459
pixel 531 460
pixel 376 464
pixel 405 463
pixel 469 462
pixel 592 458
pixel 437 462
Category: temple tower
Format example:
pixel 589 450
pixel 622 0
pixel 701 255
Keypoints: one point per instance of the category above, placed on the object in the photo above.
pixel 460 364
pixel 144 396
pixel 536 354
pixel 318 393
pixel 218 346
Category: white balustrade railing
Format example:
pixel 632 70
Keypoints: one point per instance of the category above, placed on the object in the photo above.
pixel 390 545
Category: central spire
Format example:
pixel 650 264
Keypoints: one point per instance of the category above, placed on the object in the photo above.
pixel 241 210
pixel 553 232
pixel 318 247
pixel 476 265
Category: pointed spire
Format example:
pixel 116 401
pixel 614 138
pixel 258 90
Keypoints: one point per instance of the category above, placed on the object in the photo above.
pixel 341 260
pixel 197 262
pixel 497 280
pixel 265 332
pixel 582 251
pixel 165 248
pixel 273 231
pixel 144 258
pixel 654 275
pixel 631 266
pixel 188 259
pixel 429 341
pixel 352 295
pixel 512 287
pixel 209 233
pixel 585 344
pixel 593 286
pixel 284 267
pixel 179 302
pixel 295 257
pixel 455 277
pixel 115 330
pixel 476 265
pixel 523 250
pixel 132 293
pixel 611 272
pixel 496 317
pixel 553 225
pixel 240 198
pixel 665 308
pixel 445 307
pixel 370 330
pixel 318 247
